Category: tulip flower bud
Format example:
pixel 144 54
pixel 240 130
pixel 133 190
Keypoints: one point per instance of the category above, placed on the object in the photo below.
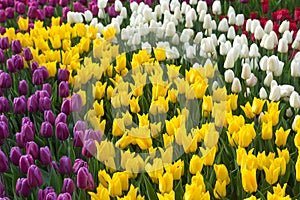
pixel 3 15
pixel 275 93
pixel 289 113
pixel 25 162
pixel 64 196
pixel 61 117
pixel 9 13
pixel 33 149
pixel 229 62
pixel 4 132
pixel 268 27
pixel 22 187
pixel 78 164
pixel 231 18
pixel 216 8
pixel 278 72
pixel 262 93
pixel 45 156
pixel 84 179
pixel 288 36
pixel 68 186
pixel 295 100
pixel 66 107
pixel 63 89
pixel 236 85
pixel 44 104
pixel 229 76
pixel 283 46
pixel 16 46
pixel 34 65
pixel 269 43
pixel 4 105
pixel 62 132
pixel 223 25
pixel 19 105
pixel 89 148
pixel 47 87
pixel 20 140
pixel 2 56
pixel 23 87
pixel 20 8
pixel 3 162
pixel 246 71
pixel 63 75
pixel 76 102
pixel 49 116
pixel 32 103
pixel 254 51
pixel 4 43
pixel 5 80
pixel 207 21
pixel 295 67
pixel 259 33
pixel 285 25
pixel 239 20
pixel 268 79
pixel 38 77
pixel 77 138
pixel 34 175
pixel 46 129
pixel 15 155
pixel 65 165
pixel 42 194
pixel 251 81
pixel 49 11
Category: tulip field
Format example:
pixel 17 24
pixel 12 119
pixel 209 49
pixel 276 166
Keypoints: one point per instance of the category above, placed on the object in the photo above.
pixel 154 99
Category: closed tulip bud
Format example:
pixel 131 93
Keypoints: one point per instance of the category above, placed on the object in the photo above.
pixel 22 187
pixel 216 8
pixel 34 175
pixel 229 76
pixel 44 104
pixel 275 93
pixel 89 148
pixel 18 62
pixel 9 13
pixel 207 21
pixel 38 77
pixel 25 162
pixel 262 93
pixel 246 71
pixel 34 65
pixel 4 43
pixel 20 140
pixel 268 27
pixel 170 29
pixel 254 51
pixel 3 16
pixel 285 25
pixel 15 155
pixel 51 196
pixel 2 56
pixel 4 132
pixel 236 86
pixel 47 87
pixel 61 117
pixel 259 33
pixel 16 46
pixel 223 25
pixel 49 11
pixel 62 132
pixel 283 46
pixel 5 80
pixel 4 105
pixel 33 149
pixel 231 18
pixel 278 72
pixel 64 196
pixel 65 165
pixel 20 8
pixel 42 194
pixel 49 117
pixel 269 43
pixel 68 186
pixel 77 138
pixel 32 103
pixel 295 67
pixel 23 87
pixel 85 180
pixel 78 163
pixel 66 106
pixel 19 105
pixel 63 89
pixel 239 20
pixel 251 81
pixel 288 36
pixel 63 75
pixel 32 12
pixel 268 79
pixel 3 162
pixel 229 62
pixel 295 100
pixel 46 129
pixel 76 102
pixel 45 156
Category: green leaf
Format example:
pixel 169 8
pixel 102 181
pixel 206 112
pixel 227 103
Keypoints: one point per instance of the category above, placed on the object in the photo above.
pixel 150 192
pixel 179 192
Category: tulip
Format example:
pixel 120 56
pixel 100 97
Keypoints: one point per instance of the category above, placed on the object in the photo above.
pixel 47 87
pixel 236 85
pixel 15 155
pixel 246 71
pixel 39 75
pixel 61 117
pixel 22 187
pixel 295 100
pixel 2 16
pixel 20 140
pixel 9 13
pixel 34 176
pixel 28 131
pixel 216 8
pixel 77 138
pixel 45 156
pixel 4 43
pixel 49 117
pixel 63 75
pixel 65 165
pixel 4 105
pixel 20 8
pixel 281 137
pixel 78 163
pixel 3 162
pixel 44 104
pixel 66 107
pixel 64 196
pixel 25 162
pixel 62 132
pixel 220 189
pixel 85 180
pixel 23 87
pixel 295 72
pixel 34 66
pixel 33 149
pixel 32 103
pixel 65 10
pixel 27 54
pixel 49 11
pixel 63 89
pixel 4 132
pixel 2 56
pixel 32 12
pixel 18 62
pixel 68 186
pixel 42 194
pixel 20 104
pixel 275 93
pixel 89 148
pixel 16 46
pixel 5 80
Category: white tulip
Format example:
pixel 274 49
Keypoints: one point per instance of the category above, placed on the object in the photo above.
pixel 214 39
pixel 221 38
pixel 183 7
pixel 269 43
pixel 269 26
pixel 216 8
pixel 286 90
pixel 248 25
pixel 288 36
pixel 236 86
pixel 193 2
pixel 268 79
pixel 202 15
pixel 201 6
pixel 188 22
pixel 175 39
pixel 245 51
pixel 273 63
pixel 296 44
pixel 275 93
pixel 223 25
pixel 231 33
pixel 263 40
pixel 262 93
pixel 198 38
pixel 186 35
pixel 174 4
pixel 223 49
pixel 278 72
pixel 102 4
pixel 254 51
pixel 196 66
pixel 254 24
pixel 136 39
pixel 231 18
pixel 157 11
pixel 207 21
pixel 170 29
pixel 289 113
pixel 229 76
pixel 164 6
pixel 295 67
pixel 229 62
pixel 207 45
pixel 88 15
pixel 295 123
pixel 118 5
pixel 213 25
pixel 190 52
pixel 263 63
pixel 251 81
pixel 172 53
pixel 177 13
pixel 285 25
pixel 275 38
pixel 148 15
pixel 230 10
pixel 228 45
pixel 259 33
pixel 246 71
pixel 283 46
pixel 239 20
pixel 247 93
pixel 133 6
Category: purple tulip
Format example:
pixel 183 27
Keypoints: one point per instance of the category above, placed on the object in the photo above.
pixel 61 117
pixel 10 3
pixel 68 186
pixel 91 134
pixel 52 3
pixel 26 120
pixel 5 80
pixel 15 155
pixel 20 8
pixel 49 117
pixel 45 156
pixel 48 88
pixel 33 149
pixel 3 3
pixel 209 2
pixel 32 103
pixel 9 13
pixel 28 131
pixel 34 175
pixel 3 119
pixel 112 12
pixel 34 66
pixel 18 62
pixel 44 104
pixel 46 129
pixel 66 107
pixel 55 166
pixel 4 132
pixel 16 46
pixel 77 138
pixel 2 191
pixel 3 162
pixel 76 103
pixel 4 105
pixel 63 3
pixel 64 196
pixel 42 194
pixel 65 11
pixel 78 7
pixel 63 89
pixel 85 180
pixel 32 12
pixel 23 87
pixel 2 16
pixel 20 140
pixel 40 15
pixel 65 165
pixel 62 132
pixel 49 11
pixel 89 148
pixel 4 43
pixel 94 9
pixel 22 187
pixel 20 105
pixel 38 77
pixel 63 75
pixel 78 163
pixel 42 93
pixel 2 56
pixel 79 126
pixel 51 196
pixel 25 162
pixel 27 54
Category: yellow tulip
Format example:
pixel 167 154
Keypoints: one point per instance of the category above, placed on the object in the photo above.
pixel 115 186
pixel 267 132
pixel 109 92
pixel 233 98
pixel 208 155
pixel 249 180
pixel 284 154
pixel 297 167
pixel 166 196
pixel 155 170
pixel 196 164
pixel 248 110
pixel 118 128
pixel 222 173
pixel 176 169
pixel 166 183
pixel 220 189
pixel 55 42
pixel 134 105
pixel 235 123
pixel 120 62
pixel 102 193
pixel 98 107
pixel 279 191
pixel 143 120
pixel 272 173
pixel 23 23
pixel 160 53
pixel 109 33
pixel 206 105
pixel 281 136
pixel 257 105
